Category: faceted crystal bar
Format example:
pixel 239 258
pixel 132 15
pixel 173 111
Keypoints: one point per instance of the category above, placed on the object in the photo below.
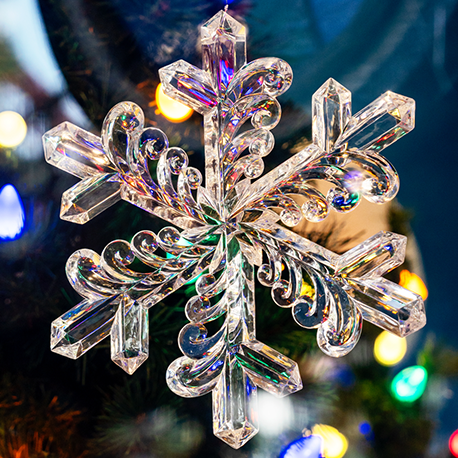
pixel 223 49
pixel 388 305
pixel 189 85
pixel 75 151
pixel 381 123
pixel 270 181
pixel 331 111
pixel 214 175
pixel 280 234
pixel 374 257
pixel 129 335
pixel 83 326
pixel 158 208
pixel 234 398
pixel 234 405
pixel 90 197
pixel 269 369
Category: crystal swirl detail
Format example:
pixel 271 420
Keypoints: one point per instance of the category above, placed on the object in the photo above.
pixel 231 225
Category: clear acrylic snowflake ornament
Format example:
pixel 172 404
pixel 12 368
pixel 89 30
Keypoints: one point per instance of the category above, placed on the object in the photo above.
pixel 232 225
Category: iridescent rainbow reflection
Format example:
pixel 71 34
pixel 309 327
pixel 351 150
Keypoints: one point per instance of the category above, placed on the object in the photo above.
pixel 12 214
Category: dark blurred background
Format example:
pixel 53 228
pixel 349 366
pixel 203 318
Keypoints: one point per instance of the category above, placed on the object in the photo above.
pixel 73 60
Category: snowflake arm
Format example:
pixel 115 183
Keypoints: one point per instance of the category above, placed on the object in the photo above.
pixel 345 152
pixel 114 167
pixel 109 287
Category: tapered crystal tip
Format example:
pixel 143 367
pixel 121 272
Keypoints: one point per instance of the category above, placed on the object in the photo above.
pixel 237 438
pixel 234 406
pixel 269 369
pixel 128 363
pixel 82 327
pixel 402 109
pixel 389 306
pixel 222 23
pixel 90 197
pixel 382 122
pixel 189 85
pixel 75 151
pixel 129 335
pixel 331 105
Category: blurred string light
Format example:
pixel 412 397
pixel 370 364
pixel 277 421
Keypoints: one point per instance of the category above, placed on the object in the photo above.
pixel 343 376
pixel 365 428
pixel 389 349
pixel 13 129
pixel 413 283
pixel 335 444
pixel 409 384
pixel 275 414
pixel 12 215
pixel 453 443
pixel 171 109
pixel 305 447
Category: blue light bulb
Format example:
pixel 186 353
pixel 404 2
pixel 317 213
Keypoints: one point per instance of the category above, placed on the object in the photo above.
pixel 305 447
pixel 12 215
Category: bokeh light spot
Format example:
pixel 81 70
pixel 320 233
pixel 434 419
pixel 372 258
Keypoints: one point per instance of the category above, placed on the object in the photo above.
pixel 453 443
pixel 335 444
pixel 12 215
pixel 171 109
pixel 413 283
pixel 275 414
pixel 365 428
pixel 409 384
pixel 13 129
pixel 389 349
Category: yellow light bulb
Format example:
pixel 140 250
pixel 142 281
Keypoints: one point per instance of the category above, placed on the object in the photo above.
pixel 171 109
pixel 335 444
pixel 413 283
pixel 13 129
pixel 389 349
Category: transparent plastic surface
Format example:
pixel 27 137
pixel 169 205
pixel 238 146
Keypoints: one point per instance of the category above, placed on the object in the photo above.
pixel 232 219
pixel 90 197
pixel 129 335
pixel 83 326
pixel 75 151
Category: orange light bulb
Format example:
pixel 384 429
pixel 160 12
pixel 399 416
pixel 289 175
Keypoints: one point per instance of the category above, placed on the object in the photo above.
pixel 171 109
pixel 413 283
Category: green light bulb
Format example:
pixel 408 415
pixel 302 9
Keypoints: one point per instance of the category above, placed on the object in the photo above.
pixel 409 384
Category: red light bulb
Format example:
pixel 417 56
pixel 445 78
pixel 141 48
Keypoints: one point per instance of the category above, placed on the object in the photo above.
pixel 453 443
